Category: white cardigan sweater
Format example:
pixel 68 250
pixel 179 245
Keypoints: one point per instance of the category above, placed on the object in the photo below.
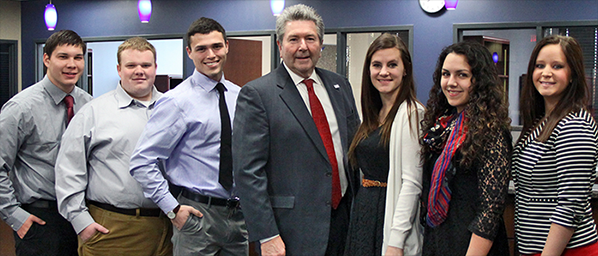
pixel 402 228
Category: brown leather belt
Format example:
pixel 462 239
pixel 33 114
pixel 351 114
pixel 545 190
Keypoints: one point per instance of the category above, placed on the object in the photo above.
pixel 372 183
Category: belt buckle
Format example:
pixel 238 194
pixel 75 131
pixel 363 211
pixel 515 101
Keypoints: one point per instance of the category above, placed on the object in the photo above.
pixel 232 203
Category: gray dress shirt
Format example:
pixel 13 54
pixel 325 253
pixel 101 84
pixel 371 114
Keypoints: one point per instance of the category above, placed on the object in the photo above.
pixel 93 161
pixel 31 126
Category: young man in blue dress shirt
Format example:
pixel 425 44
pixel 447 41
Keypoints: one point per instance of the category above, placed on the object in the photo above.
pixel 181 147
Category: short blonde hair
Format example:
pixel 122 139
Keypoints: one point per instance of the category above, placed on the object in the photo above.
pixel 136 43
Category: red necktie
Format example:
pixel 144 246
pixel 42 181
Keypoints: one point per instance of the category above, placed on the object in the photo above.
pixel 317 113
pixel 68 100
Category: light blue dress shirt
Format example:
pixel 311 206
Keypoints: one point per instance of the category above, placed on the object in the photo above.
pixel 184 133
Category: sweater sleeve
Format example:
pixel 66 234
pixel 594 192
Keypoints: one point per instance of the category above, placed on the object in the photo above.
pixel 493 186
pixel 575 146
pixel 406 173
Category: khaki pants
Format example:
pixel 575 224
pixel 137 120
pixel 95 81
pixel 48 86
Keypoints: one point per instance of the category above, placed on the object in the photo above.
pixel 129 235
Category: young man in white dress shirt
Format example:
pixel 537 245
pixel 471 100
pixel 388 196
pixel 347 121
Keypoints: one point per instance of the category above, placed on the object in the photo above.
pixel 95 191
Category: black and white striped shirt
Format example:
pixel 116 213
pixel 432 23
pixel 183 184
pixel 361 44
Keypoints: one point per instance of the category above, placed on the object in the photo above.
pixel 553 182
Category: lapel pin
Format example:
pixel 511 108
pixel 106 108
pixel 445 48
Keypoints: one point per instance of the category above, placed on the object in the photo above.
pixel 336 86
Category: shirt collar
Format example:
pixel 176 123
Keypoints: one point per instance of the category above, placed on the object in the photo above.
pixel 56 93
pixel 205 82
pixel 124 100
pixel 298 79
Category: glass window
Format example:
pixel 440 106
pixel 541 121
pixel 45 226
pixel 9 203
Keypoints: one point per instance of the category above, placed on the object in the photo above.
pixel 356 46
pixel 513 48
pixel 328 59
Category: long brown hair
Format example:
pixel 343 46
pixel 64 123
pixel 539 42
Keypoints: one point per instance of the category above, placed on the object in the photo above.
pixel 487 109
pixel 371 103
pixel 575 96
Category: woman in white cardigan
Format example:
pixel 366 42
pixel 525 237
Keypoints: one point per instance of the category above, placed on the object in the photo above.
pixel 384 218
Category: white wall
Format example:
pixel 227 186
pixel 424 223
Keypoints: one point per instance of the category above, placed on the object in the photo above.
pixel 169 53
pixel 10 27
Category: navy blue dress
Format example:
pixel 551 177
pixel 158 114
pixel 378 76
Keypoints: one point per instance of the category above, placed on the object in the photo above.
pixel 367 219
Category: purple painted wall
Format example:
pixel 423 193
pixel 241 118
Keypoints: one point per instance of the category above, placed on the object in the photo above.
pixel 101 18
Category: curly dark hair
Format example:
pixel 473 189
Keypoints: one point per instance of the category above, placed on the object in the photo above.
pixel 576 95
pixel 487 109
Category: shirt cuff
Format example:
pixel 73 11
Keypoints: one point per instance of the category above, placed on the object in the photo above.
pixel 566 217
pixel 397 238
pixel 17 218
pixel 265 240
pixel 82 221
pixel 167 203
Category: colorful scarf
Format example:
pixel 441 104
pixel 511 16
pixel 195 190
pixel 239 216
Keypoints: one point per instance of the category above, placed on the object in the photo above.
pixel 447 135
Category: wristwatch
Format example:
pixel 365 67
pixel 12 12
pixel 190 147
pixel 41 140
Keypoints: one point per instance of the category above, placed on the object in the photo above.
pixel 172 214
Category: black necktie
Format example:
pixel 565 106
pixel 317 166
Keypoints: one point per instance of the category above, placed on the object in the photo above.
pixel 226 159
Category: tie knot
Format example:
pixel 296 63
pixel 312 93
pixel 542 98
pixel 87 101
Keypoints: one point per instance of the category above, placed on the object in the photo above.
pixel 309 83
pixel 68 100
pixel 220 88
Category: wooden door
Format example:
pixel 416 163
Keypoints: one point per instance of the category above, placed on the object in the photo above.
pixel 244 61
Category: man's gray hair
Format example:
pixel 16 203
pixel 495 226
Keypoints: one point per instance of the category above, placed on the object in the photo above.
pixel 298 12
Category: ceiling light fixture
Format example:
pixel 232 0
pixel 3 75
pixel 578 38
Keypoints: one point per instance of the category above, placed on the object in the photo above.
pixel 450 4
pixel 50 16
pixel 145 10
pixel 277 6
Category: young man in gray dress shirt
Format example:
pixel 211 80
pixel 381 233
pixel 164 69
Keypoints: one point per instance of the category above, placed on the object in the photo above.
pixel 94 189
pixel 31 126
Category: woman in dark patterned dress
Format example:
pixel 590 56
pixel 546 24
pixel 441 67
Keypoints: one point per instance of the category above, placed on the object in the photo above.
pixel 466 150
pixel 384 218
pixel 555 157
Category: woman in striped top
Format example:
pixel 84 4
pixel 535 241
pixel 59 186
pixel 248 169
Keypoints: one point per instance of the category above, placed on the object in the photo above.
pixel 555 156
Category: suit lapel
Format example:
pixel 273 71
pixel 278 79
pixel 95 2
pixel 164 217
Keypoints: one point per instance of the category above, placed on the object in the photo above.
pixel 336 98
pixel 291 97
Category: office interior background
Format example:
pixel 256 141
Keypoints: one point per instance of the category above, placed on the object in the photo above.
pixel 509 28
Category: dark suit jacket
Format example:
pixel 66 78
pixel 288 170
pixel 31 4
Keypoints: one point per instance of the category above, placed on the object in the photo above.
pixel 280 164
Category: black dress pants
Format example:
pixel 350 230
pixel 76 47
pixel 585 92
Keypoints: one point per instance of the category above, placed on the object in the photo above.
pixel 339 227
pixel 56 238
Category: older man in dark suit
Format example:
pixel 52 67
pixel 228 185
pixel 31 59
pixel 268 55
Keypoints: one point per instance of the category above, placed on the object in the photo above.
pixel 293 127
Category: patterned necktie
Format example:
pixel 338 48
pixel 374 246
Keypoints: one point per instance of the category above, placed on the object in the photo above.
pixel 317 113
pixel 68 100
pixel 225 177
